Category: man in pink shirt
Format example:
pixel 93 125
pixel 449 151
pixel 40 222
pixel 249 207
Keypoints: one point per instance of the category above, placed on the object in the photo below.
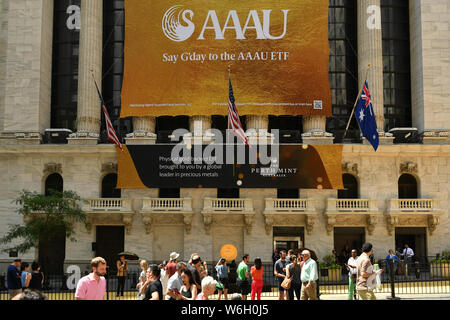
pixel 93 286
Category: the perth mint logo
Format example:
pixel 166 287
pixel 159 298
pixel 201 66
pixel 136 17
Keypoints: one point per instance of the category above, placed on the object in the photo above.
pixel 178 25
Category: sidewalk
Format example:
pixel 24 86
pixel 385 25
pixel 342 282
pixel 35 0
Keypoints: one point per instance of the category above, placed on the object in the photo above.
pixel 384 296
pixel 380 296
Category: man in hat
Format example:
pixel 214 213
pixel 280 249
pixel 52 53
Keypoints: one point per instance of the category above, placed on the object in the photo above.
pixel 171 267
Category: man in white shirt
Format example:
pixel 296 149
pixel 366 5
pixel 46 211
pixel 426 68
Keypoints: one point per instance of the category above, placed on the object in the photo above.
pixel 351 267
pixel 175 282
pixel 309 276
pixel 408 253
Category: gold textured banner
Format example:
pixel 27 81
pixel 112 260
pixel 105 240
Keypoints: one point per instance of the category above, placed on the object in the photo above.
pixel 177 53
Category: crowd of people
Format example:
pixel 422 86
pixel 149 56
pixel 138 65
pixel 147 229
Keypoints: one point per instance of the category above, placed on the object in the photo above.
pixel 178 280
pixel 296 272
pixel 22 281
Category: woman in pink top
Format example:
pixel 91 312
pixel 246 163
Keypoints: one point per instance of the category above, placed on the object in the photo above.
pixel 208 288
pixel 257 279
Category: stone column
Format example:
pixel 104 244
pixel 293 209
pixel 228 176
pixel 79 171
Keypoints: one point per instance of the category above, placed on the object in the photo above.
pixel 370 52
pixel 257 130
pixel 314 128
pixel 198 126
pixel 26 38
pixel 144 131
pixel 91 52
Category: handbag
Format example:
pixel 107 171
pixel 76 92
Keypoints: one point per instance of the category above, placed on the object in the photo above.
pixel 286 284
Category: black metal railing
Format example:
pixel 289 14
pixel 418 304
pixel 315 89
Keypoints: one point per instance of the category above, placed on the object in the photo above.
pixel 419 277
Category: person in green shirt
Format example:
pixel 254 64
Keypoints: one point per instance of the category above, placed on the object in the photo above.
pixel 243 277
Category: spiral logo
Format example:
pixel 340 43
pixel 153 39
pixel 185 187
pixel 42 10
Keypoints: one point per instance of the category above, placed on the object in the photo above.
pixel 172 26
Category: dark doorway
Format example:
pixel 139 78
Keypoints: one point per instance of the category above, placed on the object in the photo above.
pixel 288 193
pixel 232 193
pixel 52 252
pixel 109 242
pixel 407 187
pixel 416 238
pixel 350 187
pixel 109 184
pixel 53 182
pixel 286 238
pixel 169 193
pixel 346 239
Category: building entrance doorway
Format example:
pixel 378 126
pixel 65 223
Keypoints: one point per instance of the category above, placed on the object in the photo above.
pixel 287 238
pixel 52 253
pixel 346 239
pixel 109 242
pixel 415 238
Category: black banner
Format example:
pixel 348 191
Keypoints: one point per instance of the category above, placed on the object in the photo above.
pixel 231 166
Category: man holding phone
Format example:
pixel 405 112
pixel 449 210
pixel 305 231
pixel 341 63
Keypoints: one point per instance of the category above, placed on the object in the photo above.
pixel 175 283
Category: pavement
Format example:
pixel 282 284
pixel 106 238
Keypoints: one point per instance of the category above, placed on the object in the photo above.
pixel 131 295
pixel 379 296
pixel 384 296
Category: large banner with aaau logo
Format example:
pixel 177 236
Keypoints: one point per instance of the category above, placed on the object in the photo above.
pixel 177 53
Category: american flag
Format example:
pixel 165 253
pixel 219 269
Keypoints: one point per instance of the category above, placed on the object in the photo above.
pixel 109 127
pixel 233 117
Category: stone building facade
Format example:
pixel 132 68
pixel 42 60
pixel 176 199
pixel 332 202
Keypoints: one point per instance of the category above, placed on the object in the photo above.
pixel 259 219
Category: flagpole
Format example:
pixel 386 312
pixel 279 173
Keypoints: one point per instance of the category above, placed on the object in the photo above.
pixel 98 90
pixel 228 123
pixel 356 102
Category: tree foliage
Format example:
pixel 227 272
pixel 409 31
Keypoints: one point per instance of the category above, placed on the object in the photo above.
pixel 44 217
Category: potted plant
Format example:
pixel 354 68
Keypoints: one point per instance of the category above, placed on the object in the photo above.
pixel 329 270
pixel 440 267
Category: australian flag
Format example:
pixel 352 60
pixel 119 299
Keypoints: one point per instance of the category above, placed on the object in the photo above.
pixel 366 117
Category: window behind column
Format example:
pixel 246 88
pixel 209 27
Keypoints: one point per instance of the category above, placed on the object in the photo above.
pixel 343 67
pixel 396 63
pixel 66 36
pixel 166 125
pixel 113 60
pixel 289 128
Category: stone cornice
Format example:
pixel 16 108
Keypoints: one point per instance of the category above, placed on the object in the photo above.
pixel 397 150
pixel 383 150
pixel 86 150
